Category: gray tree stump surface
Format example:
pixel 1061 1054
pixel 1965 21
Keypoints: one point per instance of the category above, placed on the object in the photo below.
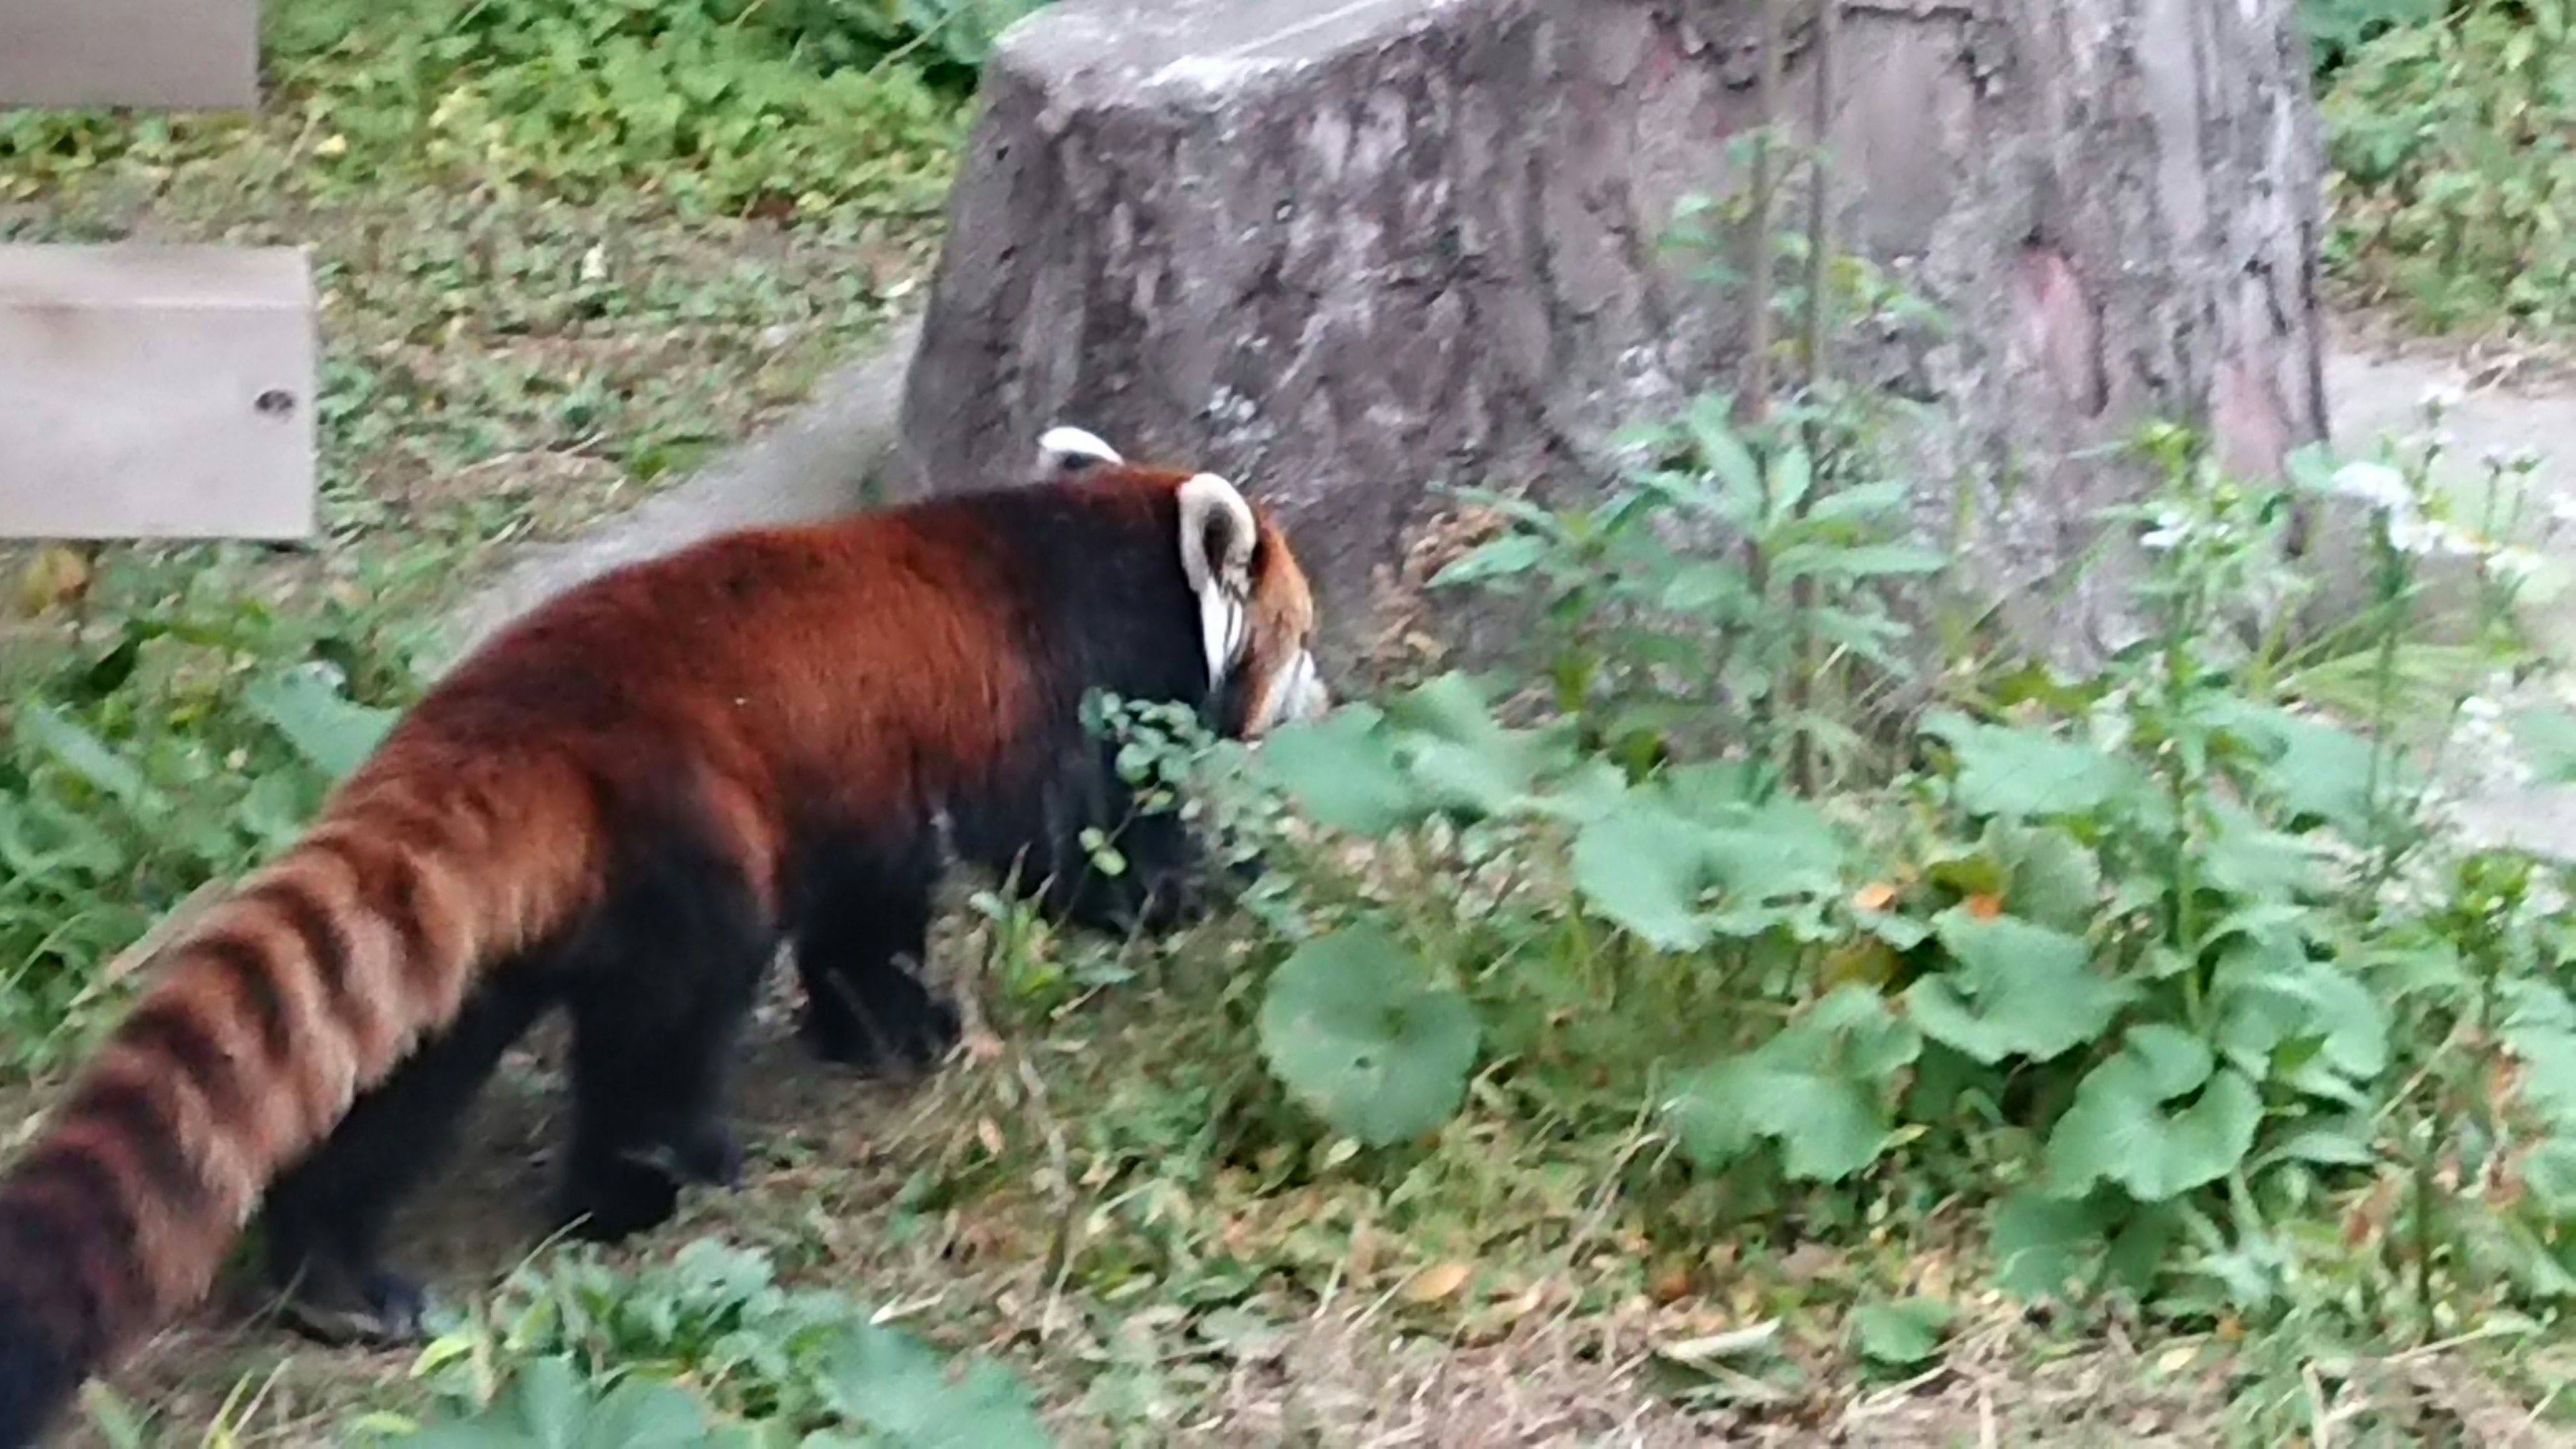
pixel 1347 250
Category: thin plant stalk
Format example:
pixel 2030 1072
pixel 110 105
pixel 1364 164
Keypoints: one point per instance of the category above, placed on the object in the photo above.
pixel 1754 406
pixel 1804 665
pixel 1756 402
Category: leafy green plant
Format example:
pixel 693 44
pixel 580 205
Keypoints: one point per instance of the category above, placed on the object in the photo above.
pixel 706 1348
pixel 172 748
pixel 715 104
pixel 1731 586
pixel 2452 173
pixel 2173 961
pixel 2335 29
pixel 1382 1056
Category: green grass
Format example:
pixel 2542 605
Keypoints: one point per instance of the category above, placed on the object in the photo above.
pixel 2454 184
pixel 555 266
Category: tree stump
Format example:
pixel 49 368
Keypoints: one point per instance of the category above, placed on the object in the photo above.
pixel 1348 250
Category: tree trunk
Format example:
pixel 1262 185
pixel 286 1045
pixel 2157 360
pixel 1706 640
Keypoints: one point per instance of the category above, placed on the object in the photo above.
pixel 1348 252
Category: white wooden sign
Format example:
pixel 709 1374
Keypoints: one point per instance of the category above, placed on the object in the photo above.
pixel 148 391
pixel 159 55
pixel 156 392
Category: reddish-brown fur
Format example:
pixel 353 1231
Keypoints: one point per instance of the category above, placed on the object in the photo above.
pixel 749 691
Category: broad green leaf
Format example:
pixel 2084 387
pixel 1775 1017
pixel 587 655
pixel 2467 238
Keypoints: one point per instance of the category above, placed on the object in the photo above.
pixel 85 755
pixel 1854 561
pixel 2126 1128
pixel 641 1414
pixel 2335 1145
pixel 2054 880
pixel 1793 473
pixel 1353 1029
pixel 1828 1127
pixel 1678 881
pixel 1701 585
pixel 1902 1333
pixel 892 1383
pixel 2012 989
pixel 2548 738
pixel 1979 872
pixel 1341 771
pixel 1645 868
pixel 1819 1088
pixel 2268 994
pixel 2311 767
pixel 1708 789
pixel 1777 851
pixel 2548 1054
pixel 1719 447
pixel 329 730
pixel 1459 757
pixel 2025 773
pixel 1861 502
pixel 2549 1171
pixel 2535 1003
pixel 1506 557
pixel 548 1406
pixel 2140 1250
pixel 2174 1061
pixel 2044 1247
pixel 2249 859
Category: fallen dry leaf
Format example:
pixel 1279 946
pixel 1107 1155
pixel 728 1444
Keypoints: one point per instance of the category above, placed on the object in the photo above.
pixel 1437 1282
pixel 59 574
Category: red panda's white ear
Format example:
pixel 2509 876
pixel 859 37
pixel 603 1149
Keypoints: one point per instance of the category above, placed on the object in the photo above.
pixel 1217 534
pixel 1063 452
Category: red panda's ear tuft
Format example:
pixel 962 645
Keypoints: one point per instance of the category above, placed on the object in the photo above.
pixel 1217 537
pixel 1064 452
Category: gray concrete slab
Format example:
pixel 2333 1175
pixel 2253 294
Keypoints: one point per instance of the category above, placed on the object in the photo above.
pixel 171 55
pixel 2370 395
pixel 156 392
pixel 815 464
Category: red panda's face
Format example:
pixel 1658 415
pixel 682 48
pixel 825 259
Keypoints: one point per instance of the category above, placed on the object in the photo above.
pixel 1280 682
pixel 1256 611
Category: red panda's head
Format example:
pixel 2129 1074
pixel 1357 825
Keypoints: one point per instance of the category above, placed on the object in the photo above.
pixel 1256 610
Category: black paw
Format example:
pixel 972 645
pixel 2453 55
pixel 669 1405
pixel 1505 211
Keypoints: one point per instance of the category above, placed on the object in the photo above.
pixel 614 1196
pixel 377 1308
pixel 616 1200
pixel 709 1153
pixel 37 1378
pixel 1126 906
pixel 905 1034
pixel 1244 874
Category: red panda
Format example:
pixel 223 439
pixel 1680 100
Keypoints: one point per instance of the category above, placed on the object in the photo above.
pixel 621 805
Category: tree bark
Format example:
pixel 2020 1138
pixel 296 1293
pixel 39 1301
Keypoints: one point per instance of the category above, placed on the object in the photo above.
pixel 1347 251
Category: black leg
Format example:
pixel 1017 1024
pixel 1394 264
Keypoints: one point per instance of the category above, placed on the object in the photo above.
pixel 659 994
pixel 862 934
pixel 325 1218
pixel 1153 894
pixel 1158 891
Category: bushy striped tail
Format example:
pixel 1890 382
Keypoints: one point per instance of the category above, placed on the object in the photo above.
pixel 272 1011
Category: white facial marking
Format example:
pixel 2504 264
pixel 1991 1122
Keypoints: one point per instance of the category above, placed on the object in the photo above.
pixel 1298 694
pixel 1063 449
pixel 1220 630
